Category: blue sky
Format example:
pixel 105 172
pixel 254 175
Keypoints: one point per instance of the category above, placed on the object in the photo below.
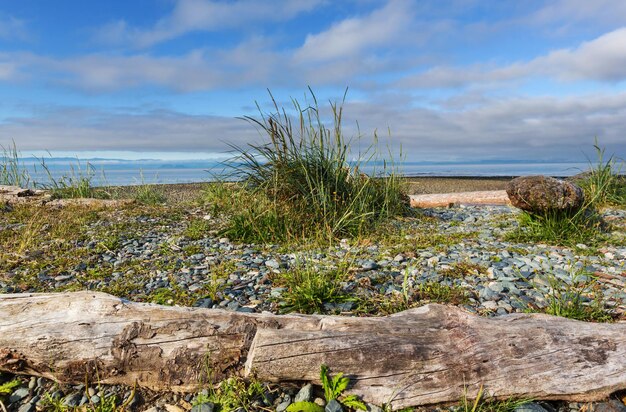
pixel 450 79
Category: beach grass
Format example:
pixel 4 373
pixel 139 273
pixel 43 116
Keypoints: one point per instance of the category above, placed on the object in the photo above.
pixel 303 183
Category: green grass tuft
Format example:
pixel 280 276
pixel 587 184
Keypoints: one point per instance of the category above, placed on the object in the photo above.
pixel 302 183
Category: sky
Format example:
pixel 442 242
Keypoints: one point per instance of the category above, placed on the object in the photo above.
pixel 440 80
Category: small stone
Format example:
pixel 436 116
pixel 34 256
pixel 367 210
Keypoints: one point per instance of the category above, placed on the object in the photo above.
pixel 333 406
pixel 613 405
pixel 304 394
pixel 173 408
pixel 72 400
pixel 399 258
pixel 95 399
pixel 530 407
pixel 272 264
pixel 319 401
pixel 204 407
pixel 32 383
pixel 18 395
pixel 27 407
pixel 490 305
pixel 369 265
pixel 373 408
pixel 283 405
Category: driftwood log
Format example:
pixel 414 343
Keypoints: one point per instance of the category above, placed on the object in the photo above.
pixel 427 355
pixel 488 197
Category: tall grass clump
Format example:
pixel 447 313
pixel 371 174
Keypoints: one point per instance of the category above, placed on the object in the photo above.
pixel 75 184
pixel 603 183
pixel 12 170
pixel 303 183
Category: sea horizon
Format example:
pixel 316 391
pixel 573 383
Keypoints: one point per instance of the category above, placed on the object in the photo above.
pixel 120 172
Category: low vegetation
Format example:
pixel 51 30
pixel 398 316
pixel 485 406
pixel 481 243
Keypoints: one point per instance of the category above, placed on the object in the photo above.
pixel 576 297
pixel 309 288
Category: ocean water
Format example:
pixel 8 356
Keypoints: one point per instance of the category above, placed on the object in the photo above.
pixel 124 172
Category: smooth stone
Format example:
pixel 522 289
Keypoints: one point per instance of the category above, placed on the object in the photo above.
pixel 304 394
pixel 18 395
pixel 272 264
pixel 373 408
pixel 283 405
pixel 73 400
pixel 204 407
pixel 27 407
pixel 530 407
pixel 333 406
pixel 369 265
pixel 613 405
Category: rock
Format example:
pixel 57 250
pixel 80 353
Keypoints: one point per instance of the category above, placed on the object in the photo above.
pixel 173 408
pixel 73 400
pixel 18 395
pixel 333 406
pixel 319 401
pixel 373 408
pixel 283 405
pixel 304 395
pixel 613 405
pixel 272 264
pixel 204 407
pixel 27 407
pixel 530 407
pixel 541 194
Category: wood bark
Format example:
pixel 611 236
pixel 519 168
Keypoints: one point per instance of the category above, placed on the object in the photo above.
pixel 487 197
pixel 427 355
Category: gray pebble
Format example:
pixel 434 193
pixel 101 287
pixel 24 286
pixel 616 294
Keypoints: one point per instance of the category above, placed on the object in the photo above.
pixel 333 406
pixel 304 394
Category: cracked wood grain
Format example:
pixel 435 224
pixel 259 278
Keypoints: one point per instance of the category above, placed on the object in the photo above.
pixel 423 356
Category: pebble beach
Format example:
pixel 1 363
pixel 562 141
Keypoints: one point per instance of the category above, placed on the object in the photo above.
pixel 176 255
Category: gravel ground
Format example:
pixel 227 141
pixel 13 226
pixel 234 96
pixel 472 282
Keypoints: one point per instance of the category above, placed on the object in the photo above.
pixel 175 255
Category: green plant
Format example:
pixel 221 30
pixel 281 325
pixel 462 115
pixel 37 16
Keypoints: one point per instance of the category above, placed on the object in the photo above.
pixel 309 288
pixel 483 403
pixel 440 293
pixel 463 269
pixel 306 184
pixel 577 297
pixel 197 229
pixel 333 390
pixel 559 227
pixel 148 194
pixel 602 183
pixel 75 184
pixel 12 170
pixel 232 394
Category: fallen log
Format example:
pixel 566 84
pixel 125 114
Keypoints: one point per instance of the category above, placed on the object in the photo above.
pixel 488 197
pixel 427 355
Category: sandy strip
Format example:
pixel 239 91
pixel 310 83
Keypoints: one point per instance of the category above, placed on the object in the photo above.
pixel 488 197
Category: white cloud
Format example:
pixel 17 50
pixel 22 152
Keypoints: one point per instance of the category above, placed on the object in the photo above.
pixel 523 128
pixel 352 36
pixel 602 59
pixel 204 15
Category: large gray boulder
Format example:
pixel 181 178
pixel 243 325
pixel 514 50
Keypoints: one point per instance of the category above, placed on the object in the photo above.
pixel 541 194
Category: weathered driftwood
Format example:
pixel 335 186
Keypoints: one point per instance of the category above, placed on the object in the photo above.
pixel 487 197
pixel 421 356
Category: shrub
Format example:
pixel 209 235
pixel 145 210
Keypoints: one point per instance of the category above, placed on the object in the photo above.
pixel 303 184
